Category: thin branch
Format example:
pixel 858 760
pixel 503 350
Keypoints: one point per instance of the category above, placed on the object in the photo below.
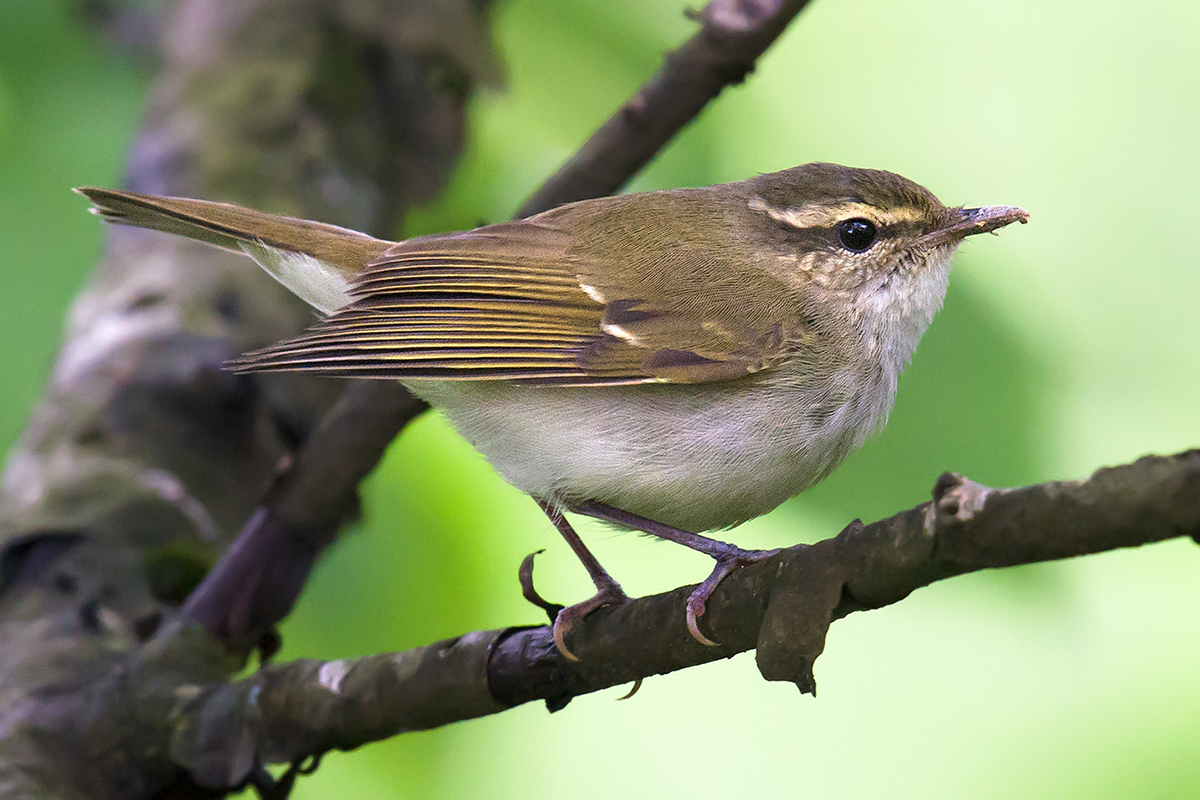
pixel 732 36
pixel 781 607
pixel 256 581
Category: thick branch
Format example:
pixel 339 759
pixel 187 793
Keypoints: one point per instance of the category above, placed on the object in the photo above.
pixel 144 457
pixel 148 428
pixel 781 607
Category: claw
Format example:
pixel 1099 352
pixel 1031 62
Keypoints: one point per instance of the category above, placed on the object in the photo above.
pixel 560 642
pixel 608 591
pixel 609 595
pixel 695 610
pixel 637 684
pixel 728 557
pixel 727 564
pixel 525 576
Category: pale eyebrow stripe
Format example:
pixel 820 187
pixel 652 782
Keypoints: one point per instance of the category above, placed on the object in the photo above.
pixel 814 215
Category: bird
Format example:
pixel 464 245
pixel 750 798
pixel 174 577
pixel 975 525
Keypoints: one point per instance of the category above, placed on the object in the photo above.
pixel 674 362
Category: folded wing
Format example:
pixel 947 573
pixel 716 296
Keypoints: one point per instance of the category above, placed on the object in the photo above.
pixel 528 302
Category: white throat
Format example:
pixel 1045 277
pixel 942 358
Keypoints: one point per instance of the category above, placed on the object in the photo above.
pixel 895 310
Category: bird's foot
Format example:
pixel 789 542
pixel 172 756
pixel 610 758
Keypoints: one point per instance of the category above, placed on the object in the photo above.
pixel 608 593
pixel 611 594
pixel 730 560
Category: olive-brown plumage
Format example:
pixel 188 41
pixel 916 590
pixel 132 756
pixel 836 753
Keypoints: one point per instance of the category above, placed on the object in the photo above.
pixel 691 357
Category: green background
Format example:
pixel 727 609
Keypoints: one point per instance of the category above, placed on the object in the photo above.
pixel 1065 345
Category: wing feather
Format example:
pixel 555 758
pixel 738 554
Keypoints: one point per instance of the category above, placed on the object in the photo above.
pixel 529 302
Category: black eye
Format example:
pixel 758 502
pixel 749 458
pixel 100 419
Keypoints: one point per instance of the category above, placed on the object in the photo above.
pixel 857 234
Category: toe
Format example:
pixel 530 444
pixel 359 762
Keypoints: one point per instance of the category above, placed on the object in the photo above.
pixel 697 602
pixel 570 616
pixel 695 610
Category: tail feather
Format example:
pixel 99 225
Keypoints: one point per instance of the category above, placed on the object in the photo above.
pixel 315 260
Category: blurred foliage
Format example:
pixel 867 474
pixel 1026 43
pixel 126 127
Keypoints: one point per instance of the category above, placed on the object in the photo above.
pixel 1065 345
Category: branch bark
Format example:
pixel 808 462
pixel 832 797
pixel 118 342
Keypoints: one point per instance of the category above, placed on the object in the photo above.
pixel 782 608
pixel 145 458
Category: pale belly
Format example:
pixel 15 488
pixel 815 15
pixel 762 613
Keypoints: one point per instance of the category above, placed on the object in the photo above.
pixel 695 457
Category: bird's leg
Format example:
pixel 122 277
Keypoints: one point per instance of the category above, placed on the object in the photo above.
pixel 608 591
pixel 729 558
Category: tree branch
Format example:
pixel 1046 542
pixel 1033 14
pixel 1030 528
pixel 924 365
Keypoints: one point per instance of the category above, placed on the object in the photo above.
pixel 781 607
pixel 144 457
pixel 732 36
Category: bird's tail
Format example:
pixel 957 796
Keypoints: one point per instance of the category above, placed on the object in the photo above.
pixel 314 260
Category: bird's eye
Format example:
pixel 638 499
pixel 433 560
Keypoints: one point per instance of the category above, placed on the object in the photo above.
pixel 857 235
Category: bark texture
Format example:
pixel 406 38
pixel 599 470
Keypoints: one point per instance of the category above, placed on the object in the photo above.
pixel 144 459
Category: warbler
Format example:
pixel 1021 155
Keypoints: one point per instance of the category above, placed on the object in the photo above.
pixel 674 361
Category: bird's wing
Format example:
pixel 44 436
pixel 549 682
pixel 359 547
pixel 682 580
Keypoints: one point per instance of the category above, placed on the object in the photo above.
pixel 528 302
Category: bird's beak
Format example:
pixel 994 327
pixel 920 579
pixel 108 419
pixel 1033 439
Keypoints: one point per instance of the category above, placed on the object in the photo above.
pixel 963 222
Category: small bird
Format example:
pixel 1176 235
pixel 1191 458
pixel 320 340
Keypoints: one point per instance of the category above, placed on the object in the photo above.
pixel 673 362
